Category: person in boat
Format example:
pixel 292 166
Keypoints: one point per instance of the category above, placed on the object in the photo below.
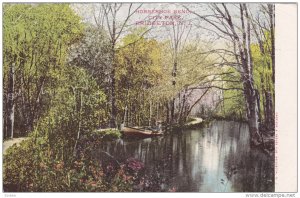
pixel 122 126
pixel 158 127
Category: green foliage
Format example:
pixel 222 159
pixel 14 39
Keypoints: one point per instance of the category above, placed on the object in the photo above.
pixel 138 70
pixel 93 53
pixel 234 103
pixel 262 72
pixel 77 105
pixel 193 67
pixel 36 40
pixel 64 100
pixel 29 167
pixel 109 134
pixel 144 76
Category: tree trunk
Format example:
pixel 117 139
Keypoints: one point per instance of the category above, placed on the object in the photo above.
pixel 150 113
pixel 157 111
pixel 172 110
pixel 174 73
pixel 113 99
pixel 11 102
pixel 79 122
pixel 258 107
pixel 189 109
pixel 167 113
pixel 269 111
pixel 181 109
pixel 247 62
pixel 253 120
pixel 272 31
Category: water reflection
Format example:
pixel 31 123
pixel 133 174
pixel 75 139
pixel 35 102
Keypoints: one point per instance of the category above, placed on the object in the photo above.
pixel 213 159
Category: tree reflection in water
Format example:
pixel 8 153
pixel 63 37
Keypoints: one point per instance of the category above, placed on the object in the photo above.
pixel 213 159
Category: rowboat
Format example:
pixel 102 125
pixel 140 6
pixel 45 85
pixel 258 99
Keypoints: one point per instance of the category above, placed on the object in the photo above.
pixel 139 132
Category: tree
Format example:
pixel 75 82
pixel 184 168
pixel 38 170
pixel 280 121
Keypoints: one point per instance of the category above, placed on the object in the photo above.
pixel 36 42
pixel 264 28
pixel 92 53
pixel 115 30
pixel 139 69
pixel 11 103
pixel 225 26
pixel 178 36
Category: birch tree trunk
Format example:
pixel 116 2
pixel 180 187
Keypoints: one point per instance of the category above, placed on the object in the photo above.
pixel 11 103
pixel 271 8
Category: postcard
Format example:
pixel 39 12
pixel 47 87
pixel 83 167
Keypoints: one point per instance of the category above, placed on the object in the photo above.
pixel 149 97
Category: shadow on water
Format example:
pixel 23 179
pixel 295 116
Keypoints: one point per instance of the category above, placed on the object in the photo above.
pixel 213 159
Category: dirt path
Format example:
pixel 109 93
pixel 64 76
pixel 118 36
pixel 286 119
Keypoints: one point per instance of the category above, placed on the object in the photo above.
pixel 9 143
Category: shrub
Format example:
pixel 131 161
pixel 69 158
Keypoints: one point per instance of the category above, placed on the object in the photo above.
pixel 32 167
pixel 109 134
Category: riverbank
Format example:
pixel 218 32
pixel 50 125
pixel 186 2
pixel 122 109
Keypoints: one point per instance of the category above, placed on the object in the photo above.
pixel 191 123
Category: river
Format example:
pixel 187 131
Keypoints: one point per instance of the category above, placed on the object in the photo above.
pixel 216 158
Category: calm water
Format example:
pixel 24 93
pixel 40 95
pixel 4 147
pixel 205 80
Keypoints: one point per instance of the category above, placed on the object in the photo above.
pixel 213 159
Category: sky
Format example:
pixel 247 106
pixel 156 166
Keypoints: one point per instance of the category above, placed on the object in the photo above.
pixel 86 10
pixel 194 30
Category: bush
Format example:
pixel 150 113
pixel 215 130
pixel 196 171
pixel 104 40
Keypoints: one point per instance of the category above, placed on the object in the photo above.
pixel 109 134
pixel 31 167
